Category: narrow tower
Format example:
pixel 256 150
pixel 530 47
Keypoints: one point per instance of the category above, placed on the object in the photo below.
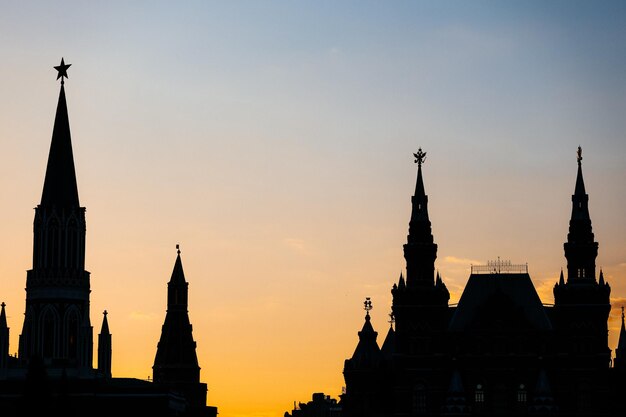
pixel 176 363
pixel 104 348
pixel 4 339
pixel 420 251
pixel 56 327
pixel 620 352
pixel 419 304
pixel 581 303
pixel 580 249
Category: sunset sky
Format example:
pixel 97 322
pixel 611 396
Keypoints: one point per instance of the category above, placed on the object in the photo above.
pixel 273 141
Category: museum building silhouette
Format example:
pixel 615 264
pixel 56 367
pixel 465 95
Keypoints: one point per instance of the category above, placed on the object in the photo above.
pixel 499 351
pixel 53 372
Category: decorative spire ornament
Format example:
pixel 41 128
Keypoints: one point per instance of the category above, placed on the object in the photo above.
pixel 367 305
pixel 62 70
pixel 420 157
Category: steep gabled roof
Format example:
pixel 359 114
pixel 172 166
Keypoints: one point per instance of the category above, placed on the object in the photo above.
pixel 367 352
pixel 507 301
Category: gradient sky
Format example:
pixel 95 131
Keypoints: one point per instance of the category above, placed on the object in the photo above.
pixel 273 140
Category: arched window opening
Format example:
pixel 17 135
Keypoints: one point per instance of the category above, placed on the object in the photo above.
pixel 419 399
pixel 521 394
pixel 479 394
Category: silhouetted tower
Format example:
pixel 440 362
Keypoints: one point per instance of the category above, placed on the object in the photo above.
pixel 176 363
pixel 4 338
pixel 620 352
pixel 419 304
pixel 420 251
pixel 365 381
pixel 57 327
pixel 104 348
pixel 581 303
pixel 580 249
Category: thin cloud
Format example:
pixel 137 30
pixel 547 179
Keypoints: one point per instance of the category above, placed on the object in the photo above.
pixel 140 316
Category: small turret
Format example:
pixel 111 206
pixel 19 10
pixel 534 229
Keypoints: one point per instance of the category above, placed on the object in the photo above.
pixel 620 352
pixel 4 338
pixel 104 348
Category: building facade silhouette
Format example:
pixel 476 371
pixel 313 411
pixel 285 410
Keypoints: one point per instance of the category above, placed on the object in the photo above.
pixel 53 372
pixel 499 351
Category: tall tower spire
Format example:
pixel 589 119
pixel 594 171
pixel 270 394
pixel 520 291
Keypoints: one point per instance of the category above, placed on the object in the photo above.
pixel 176 360
pixel 580 249
pixel 176 363
pixel 420 251
pixel 60 187
pixel 57 328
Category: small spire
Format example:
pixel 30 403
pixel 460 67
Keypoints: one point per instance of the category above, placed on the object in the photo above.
pixel 178 275
pixel 580 183
pixel 420 157
pixel 105 323
pixel 3 316
pixel 561 278
pixel 401 283
pixel 601 280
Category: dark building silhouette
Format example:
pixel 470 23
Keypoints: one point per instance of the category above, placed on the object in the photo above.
pixel 499 351
pixel 53 372
pixel 320 406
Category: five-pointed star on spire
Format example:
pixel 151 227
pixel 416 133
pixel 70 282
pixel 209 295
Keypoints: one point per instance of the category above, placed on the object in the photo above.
pixel 62 69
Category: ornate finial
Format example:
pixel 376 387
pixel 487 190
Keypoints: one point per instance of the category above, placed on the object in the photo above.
pixel 3 305
pixel 62 70
pixel 178 248
pixel 579 154
pixel 367 305
pixel 105 313
pixel 392 319
pixel 420 157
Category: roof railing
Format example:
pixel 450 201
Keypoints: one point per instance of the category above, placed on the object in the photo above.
pixel 500 267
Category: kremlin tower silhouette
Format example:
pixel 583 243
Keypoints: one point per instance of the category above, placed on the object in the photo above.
pixel 53 373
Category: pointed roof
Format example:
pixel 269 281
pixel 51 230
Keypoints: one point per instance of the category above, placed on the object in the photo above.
pixel 389 345
pixel 401 282
pixel 3 317
pixel 621 344
pixel 419 184
pixel 60 187
pixel 499 301
pixel 580 199
pixel 419 226
pixel 178 275
pixel 580 183
pixel 367 352
pixel 561 278
pixel 105 324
